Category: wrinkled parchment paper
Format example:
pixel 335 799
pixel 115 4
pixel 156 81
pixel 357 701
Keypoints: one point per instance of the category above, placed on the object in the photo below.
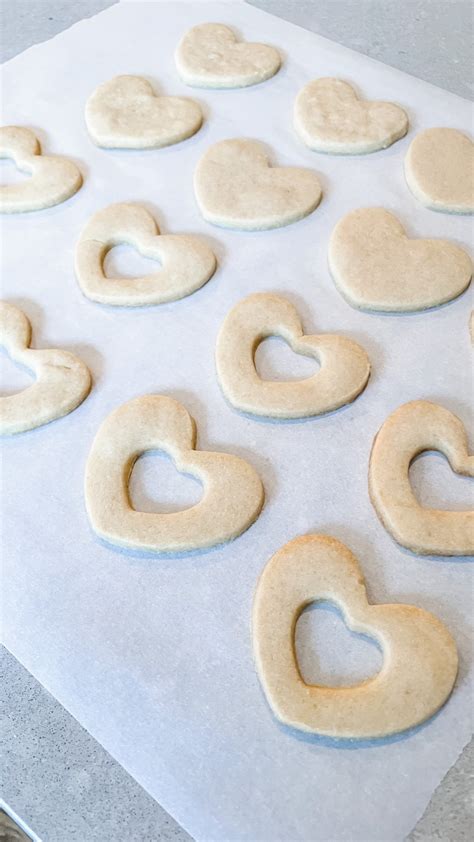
pixel 153 656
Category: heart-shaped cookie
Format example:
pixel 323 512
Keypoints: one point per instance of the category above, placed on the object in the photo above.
pixel 413 428
pixel 376 266
pixel 187 263
pixel 210 56
pixel 420 657
pixel 344 372
pixel 53 179
pixel 125 113
pixel 439 170
pixel 62 380
pixel 233 492
pixel 236 187
pixel 330 117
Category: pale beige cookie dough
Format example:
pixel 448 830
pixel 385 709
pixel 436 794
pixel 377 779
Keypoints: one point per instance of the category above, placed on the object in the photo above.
pixel 420 657
pixel 413 428
pixel 62 380
pixel 233 492
pixel 52 179
pixel 376 266
pixel 439 170
pixel 211 56
pixel 236 187
pixel 187 262
pixel 344 371
pixel 330 117
pixel 125 113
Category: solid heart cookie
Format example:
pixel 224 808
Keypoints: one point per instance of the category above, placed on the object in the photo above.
pixel 376 266
pixel 330 117
pixel 439 170
pixel 125 113
pixel 62 380
pixel 420 657
pixel 236 187
pixel 233 492
pixel 53 179
pixel 210 56
pixel 413 428
pixel 186 262
pixel 344 372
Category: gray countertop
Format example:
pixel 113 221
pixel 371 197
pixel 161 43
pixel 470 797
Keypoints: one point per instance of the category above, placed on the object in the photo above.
pixel 55 776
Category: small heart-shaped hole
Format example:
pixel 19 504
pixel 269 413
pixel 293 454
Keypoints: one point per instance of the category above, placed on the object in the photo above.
pixel 156 486
pixel 14 377
pixel 274 360
pixel 10 174
pixel 124 261
pixel 436 486
pixel 328 653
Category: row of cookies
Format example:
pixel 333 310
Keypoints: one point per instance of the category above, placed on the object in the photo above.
pixel 63 382
pixel 235 184
pixel 126 113
pixel 373 262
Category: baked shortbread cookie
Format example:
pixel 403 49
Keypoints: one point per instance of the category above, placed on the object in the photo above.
pixel 376 266
pixel 125 113
pixel 236 187
pixel 411 429
pixel 330 117
pixel 210 56
pixel 420 656
pixel 233 492
pixel 186 262
pixel 62 382
pixel 344 365
pixel 52 179
pixel 439 170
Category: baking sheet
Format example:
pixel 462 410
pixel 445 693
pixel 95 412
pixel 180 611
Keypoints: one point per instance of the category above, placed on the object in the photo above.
pixel 153 656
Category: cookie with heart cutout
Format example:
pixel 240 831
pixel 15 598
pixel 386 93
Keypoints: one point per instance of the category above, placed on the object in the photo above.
pixel 412 429
pixel 344 371
pixel 233 492
pixel 330 117
pixel 62 379
pixel 210 56
pixel 420 656
pixel 52 179
pixel 236 187
pixel 187 262
pixel 376 266
pixel 439 170
pixel 125 113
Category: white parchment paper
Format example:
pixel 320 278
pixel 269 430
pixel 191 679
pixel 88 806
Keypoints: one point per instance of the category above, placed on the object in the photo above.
pixel 153 656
